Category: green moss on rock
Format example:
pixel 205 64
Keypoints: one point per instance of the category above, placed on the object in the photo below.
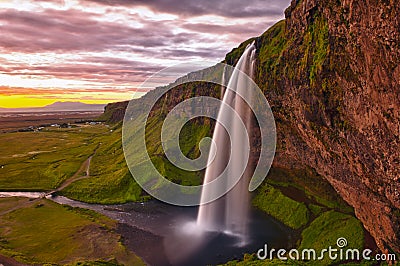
pixel 292 213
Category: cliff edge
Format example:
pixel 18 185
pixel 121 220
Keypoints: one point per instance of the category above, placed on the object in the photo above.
pixel 332 75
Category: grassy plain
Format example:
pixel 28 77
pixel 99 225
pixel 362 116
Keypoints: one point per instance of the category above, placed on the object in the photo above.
pixel 43 160
pixel 42 231
pixel 110 180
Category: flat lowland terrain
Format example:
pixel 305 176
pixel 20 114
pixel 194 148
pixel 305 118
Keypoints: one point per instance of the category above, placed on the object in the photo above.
pixel 90 155
pixel 41 231
pixel 43 160
pixel 15 121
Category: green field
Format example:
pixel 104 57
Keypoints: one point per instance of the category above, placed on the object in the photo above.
pixel 43 160
pixel 41 231
pixel 110 180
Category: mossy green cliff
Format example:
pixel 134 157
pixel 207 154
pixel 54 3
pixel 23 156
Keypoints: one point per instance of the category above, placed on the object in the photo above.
pixel 331 74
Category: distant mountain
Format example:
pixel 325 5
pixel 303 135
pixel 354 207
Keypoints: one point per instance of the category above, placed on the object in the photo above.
pixel 59 107
pixel 74 106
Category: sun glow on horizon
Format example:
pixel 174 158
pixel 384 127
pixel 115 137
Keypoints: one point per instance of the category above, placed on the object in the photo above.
pixel 28 100
pixel 101 51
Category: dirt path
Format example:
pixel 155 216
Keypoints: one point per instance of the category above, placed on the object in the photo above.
pixel 25 204
pixel 9 261
pixel 85 167
pixel 77 176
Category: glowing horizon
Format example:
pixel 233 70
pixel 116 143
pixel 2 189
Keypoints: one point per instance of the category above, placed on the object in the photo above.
pixel 11 97
pixel 27 102
pixel 100 51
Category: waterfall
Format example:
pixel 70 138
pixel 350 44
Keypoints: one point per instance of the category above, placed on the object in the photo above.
pixel 229 214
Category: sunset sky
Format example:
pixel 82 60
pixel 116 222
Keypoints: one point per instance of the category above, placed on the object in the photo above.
pixel 99 51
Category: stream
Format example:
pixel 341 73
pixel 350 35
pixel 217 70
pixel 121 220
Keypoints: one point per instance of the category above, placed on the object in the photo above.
pixel 163 234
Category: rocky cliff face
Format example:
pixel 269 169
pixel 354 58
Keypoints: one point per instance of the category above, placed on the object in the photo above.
pixel 331 73
pixel 114 112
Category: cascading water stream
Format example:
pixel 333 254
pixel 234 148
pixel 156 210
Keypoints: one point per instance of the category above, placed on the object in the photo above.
pixel 229 214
